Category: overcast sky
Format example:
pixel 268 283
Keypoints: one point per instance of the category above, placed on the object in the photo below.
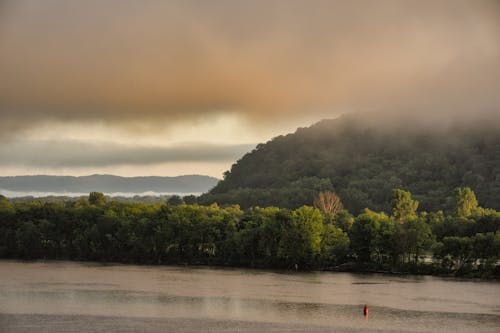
pixel 182 87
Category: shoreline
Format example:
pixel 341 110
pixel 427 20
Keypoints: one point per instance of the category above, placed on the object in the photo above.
pixel 335 269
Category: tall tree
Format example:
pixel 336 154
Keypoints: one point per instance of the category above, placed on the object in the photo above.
pixel 328 203
pixel 403 206
pixel 343 220
pixel 175 200
pixel 466 201
pixel 301 238
pixel 97 198
pixel 413 238
pixel 334 245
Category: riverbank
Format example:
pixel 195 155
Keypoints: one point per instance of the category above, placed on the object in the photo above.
pixel 350 267
pixel 421 269
pixel 269 238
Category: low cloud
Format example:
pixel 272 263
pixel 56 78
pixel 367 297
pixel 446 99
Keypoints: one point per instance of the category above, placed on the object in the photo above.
pixel 126 61
pixel 57 154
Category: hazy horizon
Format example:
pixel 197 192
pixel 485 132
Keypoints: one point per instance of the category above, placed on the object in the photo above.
pixel 37 194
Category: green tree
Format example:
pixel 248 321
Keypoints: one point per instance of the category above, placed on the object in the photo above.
pixel 486 248
pixel 28 240
pixel 334 245
pixel 7 227
pixel 190 199
pixel 301 240
pixel 466 202
pixel 403 206
pixel 372 237
pixel 413 238
pixel 97 198
pixel 343 220
pixel 7 209
pixel 456 253
pixel 175 200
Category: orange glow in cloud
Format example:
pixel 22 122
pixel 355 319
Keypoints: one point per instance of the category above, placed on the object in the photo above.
pixel 124 60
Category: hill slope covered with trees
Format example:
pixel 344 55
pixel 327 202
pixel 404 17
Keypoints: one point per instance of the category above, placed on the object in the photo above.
pixel 362 157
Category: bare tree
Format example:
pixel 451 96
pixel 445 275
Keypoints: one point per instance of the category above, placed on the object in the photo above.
pixel 328 203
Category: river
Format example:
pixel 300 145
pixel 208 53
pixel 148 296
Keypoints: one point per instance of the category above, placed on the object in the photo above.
pixel 60 296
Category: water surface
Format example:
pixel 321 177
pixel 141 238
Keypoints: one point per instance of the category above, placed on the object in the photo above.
pixel 67 296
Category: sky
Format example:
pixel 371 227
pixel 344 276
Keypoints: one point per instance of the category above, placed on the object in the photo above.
pixel 187 87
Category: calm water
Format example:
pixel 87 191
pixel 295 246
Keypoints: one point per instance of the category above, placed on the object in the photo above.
pixel 67 296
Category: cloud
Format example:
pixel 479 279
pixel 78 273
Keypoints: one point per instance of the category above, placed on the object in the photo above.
pixel 156 61
pixel 70 154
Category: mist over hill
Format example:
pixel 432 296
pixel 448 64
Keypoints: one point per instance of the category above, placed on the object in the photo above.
pixel 108 184
pixel 362 157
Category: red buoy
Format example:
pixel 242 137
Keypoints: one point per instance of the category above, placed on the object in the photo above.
pixel 365 311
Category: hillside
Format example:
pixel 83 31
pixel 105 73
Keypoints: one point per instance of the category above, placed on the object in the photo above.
pixel 108 184
pixel 362 157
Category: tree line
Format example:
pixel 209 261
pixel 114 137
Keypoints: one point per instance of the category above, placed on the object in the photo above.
pixel 326 236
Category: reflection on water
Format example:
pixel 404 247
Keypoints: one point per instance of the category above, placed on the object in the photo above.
pixel 323 299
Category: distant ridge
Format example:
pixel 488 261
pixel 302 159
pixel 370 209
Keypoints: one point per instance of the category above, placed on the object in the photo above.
pixel 108 184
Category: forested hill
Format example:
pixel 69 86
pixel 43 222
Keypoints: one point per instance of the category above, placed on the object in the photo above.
pixel 108 184
pixel 363 158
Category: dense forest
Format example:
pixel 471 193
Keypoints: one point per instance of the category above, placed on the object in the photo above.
pixel 326 236
pixel 362 157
